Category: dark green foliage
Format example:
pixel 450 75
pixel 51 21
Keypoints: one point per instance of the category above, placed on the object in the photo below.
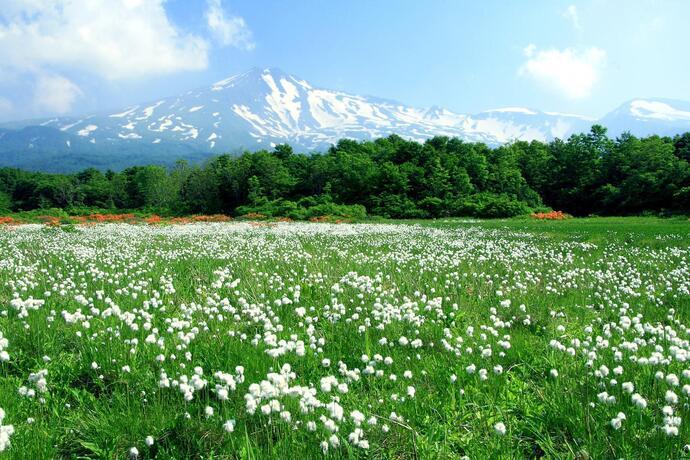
pixel 307 208
pixel 390 177
pixel 491 205
pixel 5 202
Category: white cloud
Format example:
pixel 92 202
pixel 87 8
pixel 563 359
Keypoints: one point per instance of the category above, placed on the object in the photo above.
pixel 571 14
pixel 55 93
pixel 115 39
pixel 228 31
pixel 572 73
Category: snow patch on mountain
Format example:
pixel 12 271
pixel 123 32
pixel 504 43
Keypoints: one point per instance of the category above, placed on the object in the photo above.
pixel 125 113
pixel 657 110
pixel 129 136
pixel 87 130
pixel 148 111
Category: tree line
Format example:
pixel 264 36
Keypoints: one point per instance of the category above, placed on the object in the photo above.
pixel 588 173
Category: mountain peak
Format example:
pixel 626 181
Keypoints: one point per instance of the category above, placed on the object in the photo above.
pixel 646 116
pixel 274 71
pixel 252 76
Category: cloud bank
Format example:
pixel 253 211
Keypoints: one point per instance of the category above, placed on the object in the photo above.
pixel 43 41
pixel 114 39
pixel 570 72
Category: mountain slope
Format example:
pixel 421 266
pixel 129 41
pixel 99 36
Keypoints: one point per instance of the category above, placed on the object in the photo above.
pixel 263 107
pixel 643 117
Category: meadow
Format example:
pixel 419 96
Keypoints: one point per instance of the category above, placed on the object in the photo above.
pixel 413 339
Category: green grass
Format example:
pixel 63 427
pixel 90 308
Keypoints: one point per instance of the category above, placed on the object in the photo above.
pixel 574 274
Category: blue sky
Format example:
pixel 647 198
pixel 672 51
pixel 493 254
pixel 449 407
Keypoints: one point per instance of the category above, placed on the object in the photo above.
pixel 585 57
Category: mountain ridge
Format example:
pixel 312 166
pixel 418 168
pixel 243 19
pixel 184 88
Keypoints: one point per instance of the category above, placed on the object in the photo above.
pixel 260 108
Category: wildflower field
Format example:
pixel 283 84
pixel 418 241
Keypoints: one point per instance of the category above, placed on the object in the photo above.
pixel 448 339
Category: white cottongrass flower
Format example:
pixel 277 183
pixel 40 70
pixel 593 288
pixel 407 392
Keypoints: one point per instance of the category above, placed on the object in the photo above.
pixel 672 379
pixel 4 355
pixel 229 425
pixel 639 401
pixel 670 430
pixel 671 397
pixel 500 428
pixel 5 432
pixel 357 417
pixel 617 421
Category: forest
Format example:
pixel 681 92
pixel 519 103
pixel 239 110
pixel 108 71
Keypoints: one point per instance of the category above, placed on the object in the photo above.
pixel 587 174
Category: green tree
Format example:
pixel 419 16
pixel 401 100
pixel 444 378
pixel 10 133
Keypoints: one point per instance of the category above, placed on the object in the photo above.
pixel 255 193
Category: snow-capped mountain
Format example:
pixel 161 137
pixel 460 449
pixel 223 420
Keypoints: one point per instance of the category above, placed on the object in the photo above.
pixel 643 117
pixel 263 107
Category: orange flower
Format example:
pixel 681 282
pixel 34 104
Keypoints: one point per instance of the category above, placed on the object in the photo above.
pixel 154 219
pixel 553 215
